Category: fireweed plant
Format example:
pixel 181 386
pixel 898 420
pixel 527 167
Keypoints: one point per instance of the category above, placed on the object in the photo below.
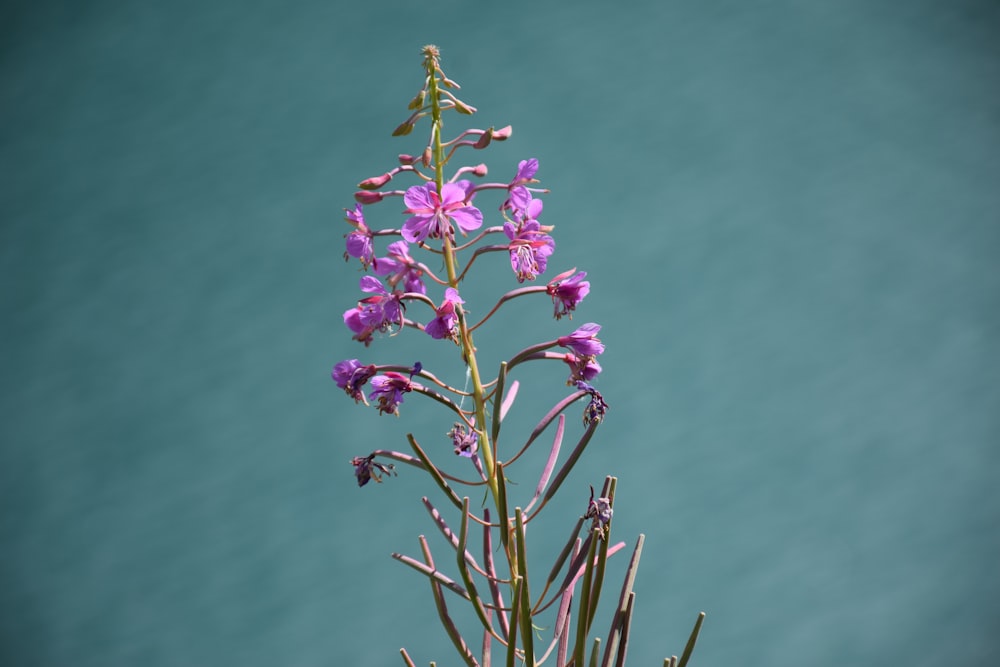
pixel 445 224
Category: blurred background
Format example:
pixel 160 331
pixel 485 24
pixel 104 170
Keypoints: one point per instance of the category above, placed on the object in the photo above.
pixel 789 215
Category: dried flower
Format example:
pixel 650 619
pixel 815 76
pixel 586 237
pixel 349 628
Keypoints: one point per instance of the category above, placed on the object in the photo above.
pixel 596 408
pixel 464 439
pixel 366 468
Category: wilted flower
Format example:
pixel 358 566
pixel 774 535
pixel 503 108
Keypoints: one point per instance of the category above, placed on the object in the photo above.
pixel 366 468
pixel 583 368
pixel 596 408
pixel 465 440
pixel 599 509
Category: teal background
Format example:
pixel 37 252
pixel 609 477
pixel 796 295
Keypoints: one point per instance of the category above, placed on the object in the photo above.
pixel 789 214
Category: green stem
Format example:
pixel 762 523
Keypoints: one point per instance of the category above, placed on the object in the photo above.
pixel 450 262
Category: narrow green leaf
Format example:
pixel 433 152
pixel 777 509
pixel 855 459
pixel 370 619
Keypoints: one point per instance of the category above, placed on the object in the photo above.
pixel 433 471
pixel 594 651
pixel 463 568
pixel 691 641
pixel 617 622
pixel 515 619
pixel 433 574
pixel 497 401
pixel 581 625
pixel 527 636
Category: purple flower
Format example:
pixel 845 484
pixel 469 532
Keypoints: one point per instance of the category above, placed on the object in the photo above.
pixel 526 170
pixel 381 310
pixel 359 241
pixel 378 312
pixel 433 213
pixel 350 375
pixel 523 205
pixel 581 368
pixel 584 340
pixel 529 249
pixel 443 325
pixel 400 267
pixel 388 390
pixel 362 332
pixel 567 293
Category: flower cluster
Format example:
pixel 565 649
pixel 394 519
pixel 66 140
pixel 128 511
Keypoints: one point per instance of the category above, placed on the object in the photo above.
pixel 444 221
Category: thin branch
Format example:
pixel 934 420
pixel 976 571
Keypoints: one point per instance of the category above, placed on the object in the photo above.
pixel 549 464
pixel 442 607
pixel 573 545
pixel 546 420
pixel 432 573
pixel 567 467
pixel 513 294
pixel 461 556
pixel 451 537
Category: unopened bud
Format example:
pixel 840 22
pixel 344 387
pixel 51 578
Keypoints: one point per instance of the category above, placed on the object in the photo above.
pixel 503 133
pixel 448 82
pixel 375 182
pixel 479 170
pixel 484 139
pixel 418 101
pixel 426 157
pixel 462 107
pixel 406 159
pixel 366 197
pixel 404 128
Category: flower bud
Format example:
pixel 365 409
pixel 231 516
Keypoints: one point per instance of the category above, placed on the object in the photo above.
pixel 417 101
pixel 484 139
pixel 375 182
pixel 426 157
pixel 502 134
pixel 404 128
pixel 406 159
pixel 479 170
pixel 462 107
pixel 367 197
